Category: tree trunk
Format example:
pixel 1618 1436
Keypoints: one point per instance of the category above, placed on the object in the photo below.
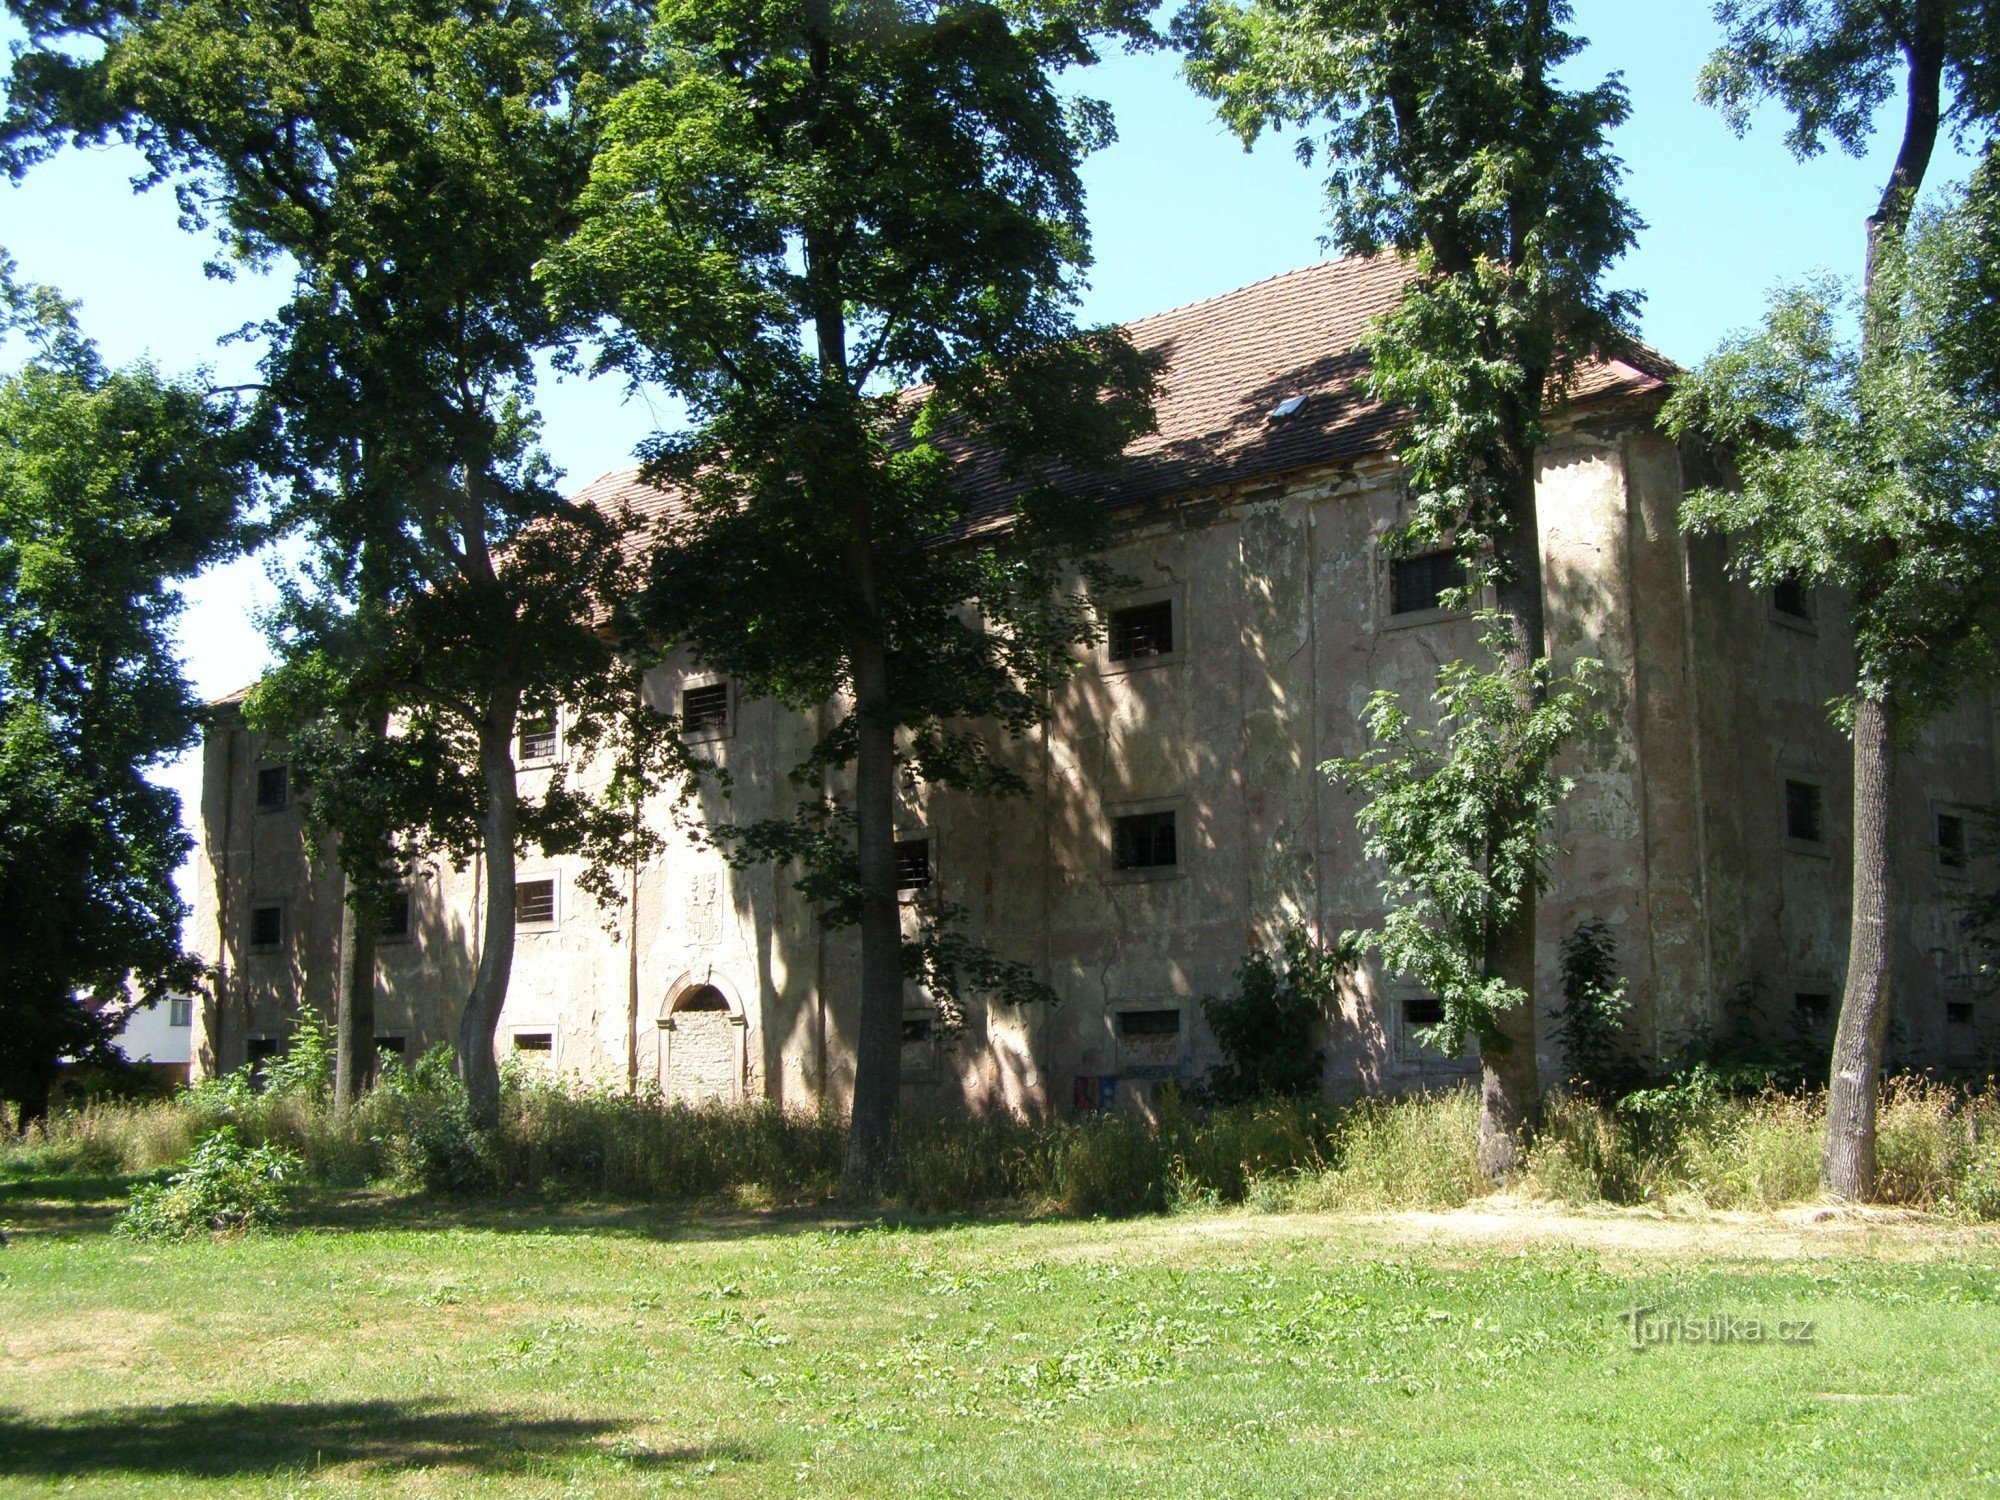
pixel 1849 1169
pixel 1848 1166
pixel 354 1025
pixel 1509 1081
pixel 879 1031
pixel 498 826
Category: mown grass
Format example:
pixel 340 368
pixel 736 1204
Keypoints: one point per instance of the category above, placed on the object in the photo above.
pixel 388 1345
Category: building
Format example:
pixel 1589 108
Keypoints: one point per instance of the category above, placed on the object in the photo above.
pixel 1177 816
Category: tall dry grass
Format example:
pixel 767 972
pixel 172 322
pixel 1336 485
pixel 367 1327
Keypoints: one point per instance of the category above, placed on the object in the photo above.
pixel 1691 1142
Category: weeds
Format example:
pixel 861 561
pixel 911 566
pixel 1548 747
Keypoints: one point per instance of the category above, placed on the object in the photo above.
pixel 1699 1139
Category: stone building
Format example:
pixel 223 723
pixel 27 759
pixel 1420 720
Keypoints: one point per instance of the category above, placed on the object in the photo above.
pixel 1177 817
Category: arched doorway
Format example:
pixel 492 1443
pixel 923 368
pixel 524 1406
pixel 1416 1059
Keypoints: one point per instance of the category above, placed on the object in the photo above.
pixel 703 1055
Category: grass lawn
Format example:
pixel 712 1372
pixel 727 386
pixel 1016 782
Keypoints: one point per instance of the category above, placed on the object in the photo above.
pixel 396 1348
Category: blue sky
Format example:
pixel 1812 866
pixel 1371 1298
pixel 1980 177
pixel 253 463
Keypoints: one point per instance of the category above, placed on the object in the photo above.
pixel 1179 212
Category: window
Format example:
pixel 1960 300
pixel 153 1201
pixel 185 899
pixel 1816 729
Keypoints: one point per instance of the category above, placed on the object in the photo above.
pixel 1142 631
pixel 267 926
pixel 1805 815
pixel 1951 847
pixel 395 915
pixel 705 710
pixel 258 1050
pixel 1144 841
pixel 919 1058
pixel 274 788
pixel 1423 1012
pixel 1149 1041
pixel 534 1041
pixel 1958 1012
pixel 1814 1008
pixel 913 864
pixel 180 1010
pixel 535 902
pixel 1418 584
pixel 541 737
pixel 916 1029
pixel 1791 598
pixel 395 1046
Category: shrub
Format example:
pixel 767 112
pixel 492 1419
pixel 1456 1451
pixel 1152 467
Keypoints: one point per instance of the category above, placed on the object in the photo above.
pixel 1266 1030
pixel 225 1185
pixel 1591 1020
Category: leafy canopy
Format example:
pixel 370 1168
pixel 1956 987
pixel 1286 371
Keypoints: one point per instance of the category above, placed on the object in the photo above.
pixel 1457 812
pixel 851 236
pixel 1877 475
pixel 115 485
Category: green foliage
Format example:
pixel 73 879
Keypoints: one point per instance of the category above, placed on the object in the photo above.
pixel 305 1068
pixel 1456 814
pixel 225 1185
pixel 115 485
pixel 1590 1022
pixel 1872 470
pixel 1447 137
pixel 1833 64
pixel 1267 1030
pixel 851 236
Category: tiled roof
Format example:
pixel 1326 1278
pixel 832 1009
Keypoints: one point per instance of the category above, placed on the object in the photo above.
pixel 1229 363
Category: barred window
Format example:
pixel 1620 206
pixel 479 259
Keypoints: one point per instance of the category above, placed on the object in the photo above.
pixel 535 902
pixel 1805 812
pixel 267 925
pixel 913 864
pixel 274 788
pixel 541 734
pixel 1143 630
pixel 1419 583
pixel 705 709
pixel 1144 841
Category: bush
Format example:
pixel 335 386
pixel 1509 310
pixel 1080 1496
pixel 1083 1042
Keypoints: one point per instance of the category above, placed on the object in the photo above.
pixel 225 1185
pixel 1591 1020
pixel 1416 1152
pixel 1266 1030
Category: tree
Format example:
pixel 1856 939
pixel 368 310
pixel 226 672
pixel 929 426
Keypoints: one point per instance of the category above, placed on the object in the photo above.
pixel 1832 64
pixel 410 163
pixel 114 486
pixel 804 206
pixel 1866 435
pixel 1448 139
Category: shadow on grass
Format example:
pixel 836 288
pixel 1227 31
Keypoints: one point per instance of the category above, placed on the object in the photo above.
pixel 63 1205
pixel 367 1210
pixel 218 1441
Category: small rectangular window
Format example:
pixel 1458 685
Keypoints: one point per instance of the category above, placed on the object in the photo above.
pixel 1805 816
pixel 1813 1007
pixel 1952 852
pixel 541 734
pixel 274 788
pixel 396 915
pixel 1144 841
pixel 1958 1012
pixel 258 1050
pixel 534 1041
pixel 267 925
pixel 1423 1012
pixel 180 1010
pixel 396 1046
pixel 1142 631
pixel 1790 597
pixel 705 710
pixel 1149 1023
pixel 535 901
pixel 916 1030
pixel 1419 583
pixel 913 864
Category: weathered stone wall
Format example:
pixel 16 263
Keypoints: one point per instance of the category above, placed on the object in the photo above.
pixel 1283 628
